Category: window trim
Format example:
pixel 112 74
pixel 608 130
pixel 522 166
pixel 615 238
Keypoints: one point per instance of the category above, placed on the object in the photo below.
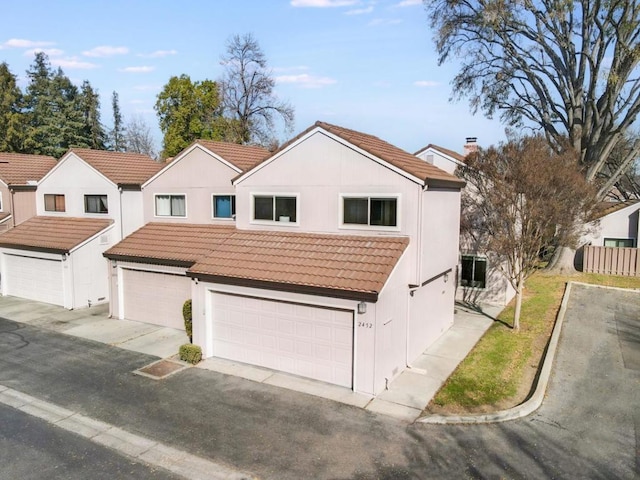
pixel 86 195
pixel 618 239
pixel 475 257
pixel 55 195
pixel 232 218
pixel 155 205
pixel 252 219
pixel 369 196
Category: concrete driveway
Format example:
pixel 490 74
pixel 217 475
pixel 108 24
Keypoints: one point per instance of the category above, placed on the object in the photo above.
pixel 586 427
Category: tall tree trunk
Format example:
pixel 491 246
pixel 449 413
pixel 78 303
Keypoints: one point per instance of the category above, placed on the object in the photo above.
pixel 562 262
pixel 519 292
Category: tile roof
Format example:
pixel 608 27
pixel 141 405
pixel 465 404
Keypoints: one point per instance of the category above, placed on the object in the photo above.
pixel 20 169
pixel 446 151
pixel 169 243
pixel 52 234
pixel 344 266
pixel 245 157
pixel 122 168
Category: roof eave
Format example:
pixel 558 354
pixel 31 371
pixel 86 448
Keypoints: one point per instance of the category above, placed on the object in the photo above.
pixel 34 248
pixel 148 260
pixel 441 183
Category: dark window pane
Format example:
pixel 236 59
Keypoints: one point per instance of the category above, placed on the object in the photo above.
pixel 356 210
pixel 480 273
pixel 285 209
pixel 466 276
pixel 263 208
pixel 224 206
pixel 95 204
pixel 383 212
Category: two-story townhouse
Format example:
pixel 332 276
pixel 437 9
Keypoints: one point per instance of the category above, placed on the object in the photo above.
pixel 188 205
pixel 481 274
pixel 19 177
pixel 87 202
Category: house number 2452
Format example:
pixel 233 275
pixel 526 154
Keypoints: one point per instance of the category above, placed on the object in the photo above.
pixel 365 325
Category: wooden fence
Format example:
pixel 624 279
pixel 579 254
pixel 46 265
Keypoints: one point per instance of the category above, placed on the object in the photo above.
pixel 612 261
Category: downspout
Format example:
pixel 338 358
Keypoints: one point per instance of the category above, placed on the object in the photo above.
pixel 121 221
pixel 13 213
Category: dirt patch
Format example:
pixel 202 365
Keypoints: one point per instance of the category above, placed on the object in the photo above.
pixel 161 369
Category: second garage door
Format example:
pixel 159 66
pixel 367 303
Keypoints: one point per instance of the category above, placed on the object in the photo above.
pixel 37 279
pixel 301 339
pixel 156 298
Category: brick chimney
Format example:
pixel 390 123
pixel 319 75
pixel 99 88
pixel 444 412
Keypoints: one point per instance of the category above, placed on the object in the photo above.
pixel 470 146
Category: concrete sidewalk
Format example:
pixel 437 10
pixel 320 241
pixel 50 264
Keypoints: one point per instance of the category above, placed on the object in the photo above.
pixel 405 399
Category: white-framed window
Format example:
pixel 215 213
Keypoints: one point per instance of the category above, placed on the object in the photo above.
pixel 96 204
pixel 474 271
pixel 224 206
pixel 619 242
pixel 169 205
pixel 281 207
pixel 54 202
pixel 380 211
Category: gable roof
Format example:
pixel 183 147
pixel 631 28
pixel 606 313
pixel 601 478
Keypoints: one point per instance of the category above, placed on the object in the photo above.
pixel 22 169
pixel 53 234
pixel 122 168
pixel 244 157
pixel 343 266
pixel 449 153
pixel 429 174
pixel 603 209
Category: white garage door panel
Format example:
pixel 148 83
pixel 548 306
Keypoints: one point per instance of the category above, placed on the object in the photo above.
pixel 300 339
pixel 155 298
pixel 34 278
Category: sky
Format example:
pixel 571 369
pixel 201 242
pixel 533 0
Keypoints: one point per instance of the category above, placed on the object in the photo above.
pixel 368 65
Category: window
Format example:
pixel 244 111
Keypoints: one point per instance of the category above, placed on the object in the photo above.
pixel 370 211
pixel 474 271
pixel 54 203
pixel 224 206
pixel 171 206
pixel 95 204
pixel 619 242
pixel 274 208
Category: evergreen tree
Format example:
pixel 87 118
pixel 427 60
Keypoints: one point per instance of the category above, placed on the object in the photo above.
pixel 117 134
pixel 11 118
pixel 93 129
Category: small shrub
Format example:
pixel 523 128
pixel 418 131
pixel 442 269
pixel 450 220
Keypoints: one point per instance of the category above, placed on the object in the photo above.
pixel 190 353
pixel 188 323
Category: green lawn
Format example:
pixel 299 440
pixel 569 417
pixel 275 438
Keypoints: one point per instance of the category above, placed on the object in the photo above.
pixel 499 371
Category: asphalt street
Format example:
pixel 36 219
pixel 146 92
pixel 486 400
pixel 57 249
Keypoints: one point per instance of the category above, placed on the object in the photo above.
pixel 586 428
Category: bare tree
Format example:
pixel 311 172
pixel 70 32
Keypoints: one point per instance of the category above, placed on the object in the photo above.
pixel 138 138
pixel 248 97
pixel 568 68
pixel 522 197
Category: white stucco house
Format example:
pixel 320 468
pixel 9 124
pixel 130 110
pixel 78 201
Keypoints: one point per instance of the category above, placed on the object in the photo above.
pixel 339 266
pixel 87 202
pixel 615 225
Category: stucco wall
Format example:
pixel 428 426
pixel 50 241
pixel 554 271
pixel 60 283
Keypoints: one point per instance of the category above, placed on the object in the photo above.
pixel 621 224
pixel 24 205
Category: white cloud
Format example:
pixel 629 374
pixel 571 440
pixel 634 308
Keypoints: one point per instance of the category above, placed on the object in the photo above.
pixel 323 3
pixel 72 63
pixel 105 51
pixel 146 88
pixel 360 11
pixel 305 80
pixel 159 54
pixel 426 83
pixel 22 43
pixel 409 3
pixel 140 69
pixel 50 52
pixel 384 21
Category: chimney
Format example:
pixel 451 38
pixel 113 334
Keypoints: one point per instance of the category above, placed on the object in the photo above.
pixel 470 146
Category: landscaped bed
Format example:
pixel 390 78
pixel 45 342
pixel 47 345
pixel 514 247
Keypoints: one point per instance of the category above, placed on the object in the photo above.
pixel 500 371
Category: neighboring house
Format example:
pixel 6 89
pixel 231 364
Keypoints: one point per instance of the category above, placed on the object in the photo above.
pixel 339 267
pixel 615 225
pixel 19 177
pixel 87 202
pixel 480 274
pixel 190 192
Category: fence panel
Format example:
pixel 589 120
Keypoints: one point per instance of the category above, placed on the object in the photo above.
pixel 612 261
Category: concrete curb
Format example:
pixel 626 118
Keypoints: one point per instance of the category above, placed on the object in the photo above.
pixel 530 405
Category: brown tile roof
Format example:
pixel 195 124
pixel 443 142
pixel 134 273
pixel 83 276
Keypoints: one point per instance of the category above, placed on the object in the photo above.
pixel 429 174
pixel 169 243
pixel 606 208
pixel 344 266
pixel 122 168
pixel 52 234
pixel 19 168
pixel 245 157
pixel 446 151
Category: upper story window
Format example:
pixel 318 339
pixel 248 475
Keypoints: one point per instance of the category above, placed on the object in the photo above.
pixel 54 203
pixel 275 208
pixel 374 211
pixel 619 242
pixel 474 271
pixel 171 206
pixel 224 206
pixel 96 204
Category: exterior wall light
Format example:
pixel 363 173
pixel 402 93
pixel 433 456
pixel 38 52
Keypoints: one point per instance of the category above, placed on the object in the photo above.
pixel 362 308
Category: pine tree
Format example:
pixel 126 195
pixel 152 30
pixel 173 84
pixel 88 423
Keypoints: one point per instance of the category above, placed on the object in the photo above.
pixel 11 118
pixel 117 133
pixel 93 129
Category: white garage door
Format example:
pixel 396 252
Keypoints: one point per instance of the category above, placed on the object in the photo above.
pixel 301 339
pixel 37 279
pixel 155 298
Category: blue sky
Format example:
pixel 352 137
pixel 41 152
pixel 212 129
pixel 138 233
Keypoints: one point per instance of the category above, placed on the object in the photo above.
pixel 366 65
